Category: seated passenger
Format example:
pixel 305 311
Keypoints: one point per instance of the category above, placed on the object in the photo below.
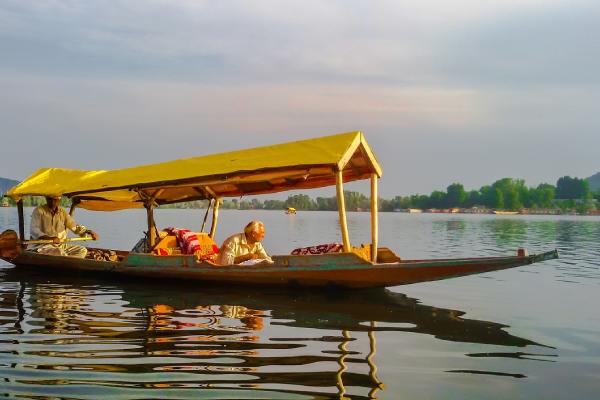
pixel 50 221
pixel 244 246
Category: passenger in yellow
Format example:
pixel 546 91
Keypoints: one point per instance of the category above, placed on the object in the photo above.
pixel 244 246
pixel 50 222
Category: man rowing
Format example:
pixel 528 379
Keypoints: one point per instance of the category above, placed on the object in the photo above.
pixel 50 222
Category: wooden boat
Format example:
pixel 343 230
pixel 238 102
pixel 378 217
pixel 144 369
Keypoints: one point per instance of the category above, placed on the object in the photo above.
pixel 319 162
pixel 503 212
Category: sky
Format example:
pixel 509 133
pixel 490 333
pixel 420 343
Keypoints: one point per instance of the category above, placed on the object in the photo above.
pixel 444 91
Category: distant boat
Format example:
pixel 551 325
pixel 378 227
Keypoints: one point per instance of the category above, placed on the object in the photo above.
pixel 502 212
pixel 290 210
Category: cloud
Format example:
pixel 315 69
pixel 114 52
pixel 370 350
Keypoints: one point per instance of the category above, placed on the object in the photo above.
pixel 465 91
pixel 529 46
pixel 234 41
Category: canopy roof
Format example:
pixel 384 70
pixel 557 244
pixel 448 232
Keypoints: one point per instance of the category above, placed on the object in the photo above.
pixel 308 163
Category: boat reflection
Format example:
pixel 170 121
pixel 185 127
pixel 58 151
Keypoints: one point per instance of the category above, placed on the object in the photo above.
pixel 156 337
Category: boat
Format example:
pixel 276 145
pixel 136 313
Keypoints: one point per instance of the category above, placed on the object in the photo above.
pixel 312 163
pixel 290 210
pixel 504 212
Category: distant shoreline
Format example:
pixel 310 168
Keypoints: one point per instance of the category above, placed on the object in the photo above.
pixel 500 213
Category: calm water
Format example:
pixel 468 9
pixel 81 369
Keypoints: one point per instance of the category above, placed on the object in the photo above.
pixel 529 332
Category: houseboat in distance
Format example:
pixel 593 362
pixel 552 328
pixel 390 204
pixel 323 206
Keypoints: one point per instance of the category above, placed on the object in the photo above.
pixel 505 212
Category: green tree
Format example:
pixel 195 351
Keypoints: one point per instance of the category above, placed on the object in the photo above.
pixel 437 199
pixel 511 189
pixel 355 200
pixel 456 195
pixel 274 204
pixel 487 196
pixel 497 199
pixel 542 195
pixel 326 203
pixel 572 188
pixel 473 199
pixel 300 202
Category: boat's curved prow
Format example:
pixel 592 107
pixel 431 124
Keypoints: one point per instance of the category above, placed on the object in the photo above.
pixel 549 255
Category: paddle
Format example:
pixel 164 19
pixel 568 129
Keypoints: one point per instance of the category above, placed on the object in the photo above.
pixel 10 245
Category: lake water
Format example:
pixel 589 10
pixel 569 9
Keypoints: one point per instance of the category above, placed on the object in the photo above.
pixel 530 332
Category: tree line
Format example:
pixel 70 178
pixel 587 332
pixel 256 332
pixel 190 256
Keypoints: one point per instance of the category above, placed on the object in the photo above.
pixel 504 194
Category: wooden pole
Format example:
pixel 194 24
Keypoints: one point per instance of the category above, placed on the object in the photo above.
pixel 21 220
pixel 374 218
pixel 215 217
pixel 72 209
pixel 151 231
pixel 206 214
pixel 339 186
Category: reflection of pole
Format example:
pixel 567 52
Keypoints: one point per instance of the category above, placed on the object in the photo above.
pixel 20 308
pixel 342 364
pixel 372 367
pixel 147 313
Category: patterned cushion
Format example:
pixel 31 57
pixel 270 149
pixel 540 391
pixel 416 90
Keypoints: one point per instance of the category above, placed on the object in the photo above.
pixel 319 249
pixel 194 243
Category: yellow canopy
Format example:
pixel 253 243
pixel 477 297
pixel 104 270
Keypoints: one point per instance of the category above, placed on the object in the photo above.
pixel 308 163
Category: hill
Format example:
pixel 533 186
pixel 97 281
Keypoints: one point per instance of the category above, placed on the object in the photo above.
pixel 594 182
pixel 6 184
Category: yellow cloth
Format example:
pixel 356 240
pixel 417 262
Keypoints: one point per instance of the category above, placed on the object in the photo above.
pixel 237 245
pixel 302 164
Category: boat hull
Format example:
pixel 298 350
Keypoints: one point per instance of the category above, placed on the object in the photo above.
pixel 345 270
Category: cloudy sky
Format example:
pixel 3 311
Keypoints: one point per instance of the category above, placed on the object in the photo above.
pixel 445 91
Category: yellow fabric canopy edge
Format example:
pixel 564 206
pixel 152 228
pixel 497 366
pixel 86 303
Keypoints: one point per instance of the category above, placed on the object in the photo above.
pixel 116 185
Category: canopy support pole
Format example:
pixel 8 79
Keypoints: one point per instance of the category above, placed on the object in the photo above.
pixel 151 230
pixel 72 209
pixel 374 218
pixel 206 214
pixel 149 201
pixel 339 186
pixel 21 219
pixel 215 217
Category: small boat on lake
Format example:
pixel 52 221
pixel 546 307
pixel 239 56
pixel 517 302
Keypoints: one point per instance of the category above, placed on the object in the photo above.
pixel 313 163
pixel 290 210
pixel 505 212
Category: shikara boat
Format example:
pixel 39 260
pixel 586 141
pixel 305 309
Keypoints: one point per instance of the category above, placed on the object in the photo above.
pixel 325 161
